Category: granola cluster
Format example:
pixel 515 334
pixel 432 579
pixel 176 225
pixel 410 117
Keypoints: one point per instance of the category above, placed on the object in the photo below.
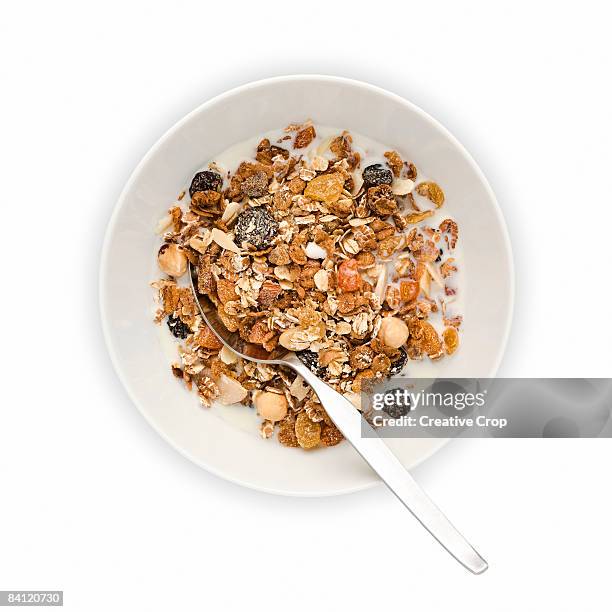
pixel 308 246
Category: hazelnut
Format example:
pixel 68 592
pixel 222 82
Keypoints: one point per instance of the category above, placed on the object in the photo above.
pixel 393 332
pixel 270 406
pixel 172 260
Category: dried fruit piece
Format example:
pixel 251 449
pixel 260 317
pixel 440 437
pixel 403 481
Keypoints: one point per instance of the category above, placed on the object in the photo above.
pixel 417 217
pixel 308 432
pixel 376 175
pixel 397 410
pixel 431 191
pixel 397 364
pixel 451 339
pixel 349 278
pixel 411 171
pixel 304 137
pixel 255 226
pixel 255 186
pixel 325 187
pixel 178 328
pixel 311 360
pixel 207 180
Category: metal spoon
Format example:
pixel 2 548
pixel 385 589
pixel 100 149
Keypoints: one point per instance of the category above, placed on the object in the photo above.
pixel 349 421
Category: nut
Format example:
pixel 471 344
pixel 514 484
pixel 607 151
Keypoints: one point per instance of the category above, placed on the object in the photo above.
pixel 230 390
pixel 172 260
pixel 270 406
pixel 393 332
pixel 321 280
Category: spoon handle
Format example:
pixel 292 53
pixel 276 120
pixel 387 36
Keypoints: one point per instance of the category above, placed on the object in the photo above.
pixel 380 458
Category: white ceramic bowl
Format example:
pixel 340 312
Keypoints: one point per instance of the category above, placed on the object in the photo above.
pixel 208 437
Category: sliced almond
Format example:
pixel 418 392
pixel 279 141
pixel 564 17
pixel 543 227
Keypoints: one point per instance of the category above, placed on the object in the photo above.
pixel 224 241
pixel 435 275
pixel 314 251
pixel 228 356
pixel 402 186
pixel 299 389
pixel 354 398
pixel 417 217
pixel 425 282
pixel 163 224
pixel 231 211
pixel 321 280
pixel 381 284
pixel 230 390
pixel 201 243
pixel 357 183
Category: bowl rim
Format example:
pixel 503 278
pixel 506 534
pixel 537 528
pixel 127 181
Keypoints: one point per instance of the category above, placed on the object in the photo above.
pixel 112 226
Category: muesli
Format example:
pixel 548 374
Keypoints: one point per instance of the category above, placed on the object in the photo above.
pixel 324 246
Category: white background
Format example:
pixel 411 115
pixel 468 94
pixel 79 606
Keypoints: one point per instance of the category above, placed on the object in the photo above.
pixel 95 503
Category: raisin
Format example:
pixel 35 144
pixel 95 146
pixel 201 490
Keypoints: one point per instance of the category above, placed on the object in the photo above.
pixel 255 226
pixel 207 180
pixel 377 175
pixel 398 364
pixel 311 360
pixel 178 328
pixel 397 410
